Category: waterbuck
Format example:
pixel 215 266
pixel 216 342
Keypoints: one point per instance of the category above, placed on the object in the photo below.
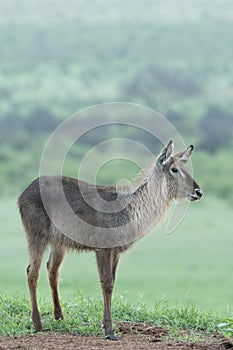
pixel 104 227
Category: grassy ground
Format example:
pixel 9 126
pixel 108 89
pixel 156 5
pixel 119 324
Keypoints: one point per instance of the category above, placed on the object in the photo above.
pixel 192 266
pixel 84 316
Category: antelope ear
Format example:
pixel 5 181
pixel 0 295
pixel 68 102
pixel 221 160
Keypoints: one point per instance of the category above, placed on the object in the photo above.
pixel 165 154
pixel 184 156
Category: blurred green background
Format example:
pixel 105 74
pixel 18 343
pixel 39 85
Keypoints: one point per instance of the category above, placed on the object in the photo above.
pixel 175 56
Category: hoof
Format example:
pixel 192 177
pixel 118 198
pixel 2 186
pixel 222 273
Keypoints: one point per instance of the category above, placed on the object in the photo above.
pixel 38 328
pixel 110 337
pixel 37 321
pixel 59 317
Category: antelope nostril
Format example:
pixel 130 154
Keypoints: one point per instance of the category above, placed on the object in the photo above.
pixel 198 192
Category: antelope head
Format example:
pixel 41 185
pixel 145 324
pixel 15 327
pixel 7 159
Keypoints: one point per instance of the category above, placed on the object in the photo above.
pixel 179 182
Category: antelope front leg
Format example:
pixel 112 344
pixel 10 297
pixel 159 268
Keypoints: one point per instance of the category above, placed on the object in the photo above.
pixel 105 262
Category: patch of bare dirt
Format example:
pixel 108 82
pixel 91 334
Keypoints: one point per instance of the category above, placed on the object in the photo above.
pixel 134 336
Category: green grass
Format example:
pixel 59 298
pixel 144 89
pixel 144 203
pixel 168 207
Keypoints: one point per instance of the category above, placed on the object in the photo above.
pixel 83 316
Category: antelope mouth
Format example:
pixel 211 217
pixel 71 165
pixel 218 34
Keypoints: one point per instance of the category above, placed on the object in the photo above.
pixel 193 198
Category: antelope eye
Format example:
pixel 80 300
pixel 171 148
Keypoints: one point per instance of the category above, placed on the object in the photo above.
pixel 174 170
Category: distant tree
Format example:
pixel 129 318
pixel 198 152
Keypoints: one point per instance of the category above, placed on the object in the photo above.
pixel 41 120
pixel 216 130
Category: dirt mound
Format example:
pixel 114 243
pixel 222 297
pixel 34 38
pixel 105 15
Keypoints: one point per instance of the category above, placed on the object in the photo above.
pixel 133 336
